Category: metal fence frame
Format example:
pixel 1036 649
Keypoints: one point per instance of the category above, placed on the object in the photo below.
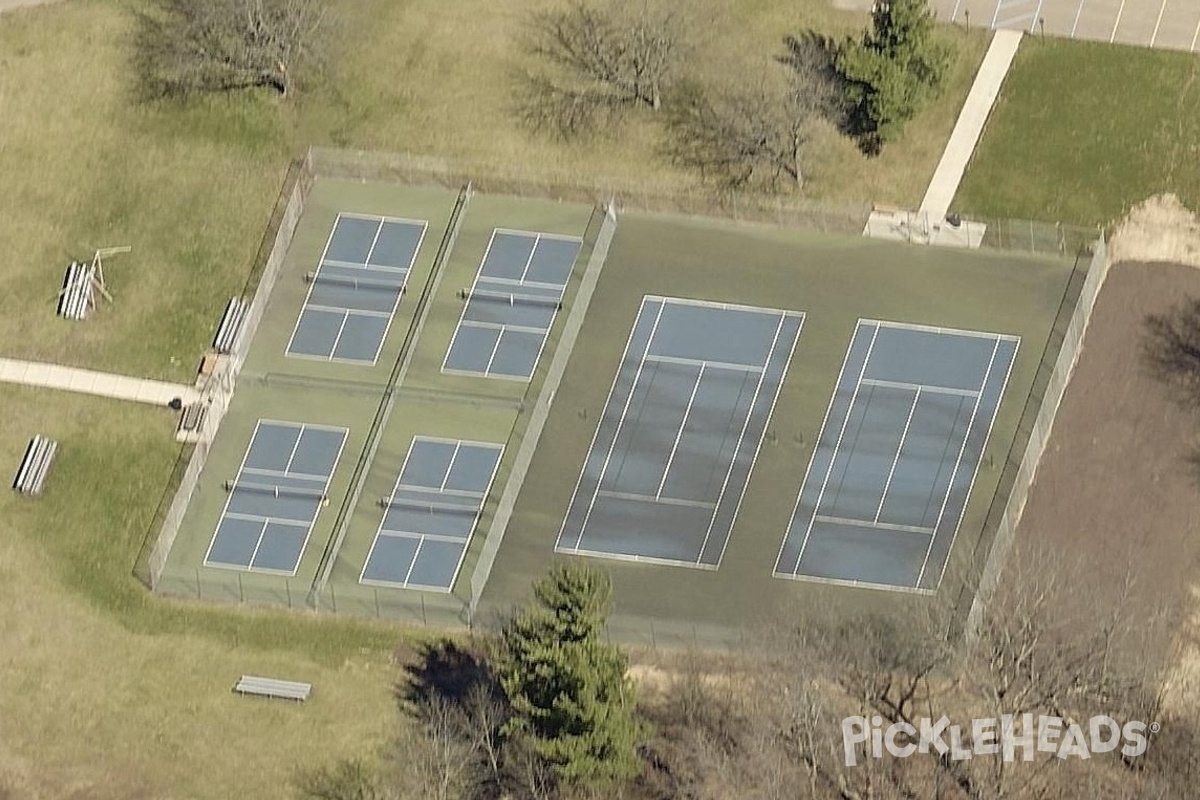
pixel 1068 355
pixel 452 610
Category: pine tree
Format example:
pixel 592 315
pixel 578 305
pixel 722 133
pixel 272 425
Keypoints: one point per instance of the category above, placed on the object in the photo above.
pixel 572 702
pixel 896 67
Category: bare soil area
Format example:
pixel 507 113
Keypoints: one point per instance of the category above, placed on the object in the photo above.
pixel 1117 493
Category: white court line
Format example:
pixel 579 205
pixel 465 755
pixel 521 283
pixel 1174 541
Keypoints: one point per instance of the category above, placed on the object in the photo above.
pixel 288 467
pixel 837 445
pixel 595 436
pixel 899 449
pixel 308 294
pixel 338 310
pixel 565 237
pixel 362 267
pixel 987 438
pixel 1158 22
pixel 403 464
pixel 645 498
pixel 1037 15
pixel 529 260
pixel 462 556
pixel 962 449
pixel 229 496
pixel 341 330
pixel 918 387
pixel 262 532
pixel 705 364
pixel 487 370
pixel 816 449
pixel 1117 23
pixel 463 314
pixel 1195 36
pixel 501 326
pixel 687 411
pixel 396 303
pixel 624 412
pixel 374 241
pixel 733 461
pixel 912 326
pixel 450 466
pixel 996 15
pixel 636 559
pixel 274 473
pixel 954 13
pixel 877 525
pixel 295 523
pixel 886 587
pixel 690 301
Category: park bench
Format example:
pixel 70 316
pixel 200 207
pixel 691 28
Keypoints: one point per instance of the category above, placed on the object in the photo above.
pixel 270 687
pixel 231 323
pixel 35 465
pixel 75 299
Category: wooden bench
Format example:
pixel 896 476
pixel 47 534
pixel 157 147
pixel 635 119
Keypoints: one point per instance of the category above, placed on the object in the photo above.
pixel 270 687
pixel 35 465
pixel 75 299
pixel 231 323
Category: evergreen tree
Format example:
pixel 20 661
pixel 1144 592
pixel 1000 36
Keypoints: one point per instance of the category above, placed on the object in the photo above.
pixel 893 70
pixel 572 703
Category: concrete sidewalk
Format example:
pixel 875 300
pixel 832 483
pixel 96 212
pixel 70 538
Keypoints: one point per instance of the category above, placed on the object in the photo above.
pixel 969 127
pixel 72 379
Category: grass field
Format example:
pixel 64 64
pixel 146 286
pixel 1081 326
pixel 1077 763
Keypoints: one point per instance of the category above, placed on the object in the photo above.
pixel 1083 131
pixel 835 281
pixel 106 669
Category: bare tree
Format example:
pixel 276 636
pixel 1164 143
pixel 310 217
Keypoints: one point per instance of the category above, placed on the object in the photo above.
pixel 184 47
pixel 597 57
pixel 754 136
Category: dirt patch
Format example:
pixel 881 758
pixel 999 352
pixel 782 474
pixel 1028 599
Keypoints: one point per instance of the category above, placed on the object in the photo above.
pixel 1116 490
pixel 1158 229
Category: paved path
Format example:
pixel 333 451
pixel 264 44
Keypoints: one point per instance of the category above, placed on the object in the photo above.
pixel 72 379
pixel 5 5
pixel 970 124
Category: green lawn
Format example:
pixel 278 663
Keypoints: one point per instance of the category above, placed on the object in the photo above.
pixel 1083 131
pixel 123 695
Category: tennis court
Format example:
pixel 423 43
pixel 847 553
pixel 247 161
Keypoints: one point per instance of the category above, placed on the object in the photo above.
pixel 274 500
pixel 356 288
pixel 431 513
pixel 512 304
pixel 897 455
pixel 672 455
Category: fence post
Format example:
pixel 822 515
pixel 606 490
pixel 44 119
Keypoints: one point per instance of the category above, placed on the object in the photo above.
pixel 287 584
pixel 199 592
pixel 378 613
pixel 241 590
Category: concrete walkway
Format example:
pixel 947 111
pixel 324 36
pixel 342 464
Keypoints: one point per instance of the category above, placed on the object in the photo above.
pixel 72 379
pixel 969 127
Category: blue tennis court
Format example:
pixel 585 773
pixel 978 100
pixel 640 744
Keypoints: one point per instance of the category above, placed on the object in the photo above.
pixel 512 304
pixel 356 289
pixel 897 455
pixel 273 501
pixel 431 514
pixel 680 431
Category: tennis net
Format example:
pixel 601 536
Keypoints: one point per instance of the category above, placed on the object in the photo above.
pixel 428 508
pixel 273 490
pixel 395 287
pixel 510 299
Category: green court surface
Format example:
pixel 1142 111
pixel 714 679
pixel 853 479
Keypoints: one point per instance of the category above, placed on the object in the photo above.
pixel 832 281
pixel 427 402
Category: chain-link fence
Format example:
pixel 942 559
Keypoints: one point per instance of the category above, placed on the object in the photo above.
pixel 1034 430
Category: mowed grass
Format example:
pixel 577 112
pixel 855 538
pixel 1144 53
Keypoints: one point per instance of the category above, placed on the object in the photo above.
pixel 1082 131
pixel 110 692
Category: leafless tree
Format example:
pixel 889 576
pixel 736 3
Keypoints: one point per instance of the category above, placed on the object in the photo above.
pixel 753 136
pixel 597 57
pixel 184 47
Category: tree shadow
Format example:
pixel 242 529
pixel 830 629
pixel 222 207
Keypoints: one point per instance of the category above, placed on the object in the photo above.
pixel 815 54
pixel 446 669
pixel 1171 351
